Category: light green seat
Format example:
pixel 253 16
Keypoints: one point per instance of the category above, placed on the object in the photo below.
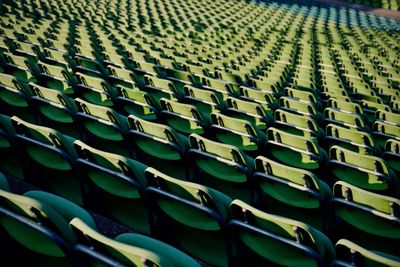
pixel 236 132
pixel 226 168
pixel 272 239
pixel 352 139
pixel 103 127
pixel 292 192
pixel 184 118
pixel 253 112
pixel 135 102
pixel 205 100
pixel 117 186
pixel 364 171
pixel 299 124
pixel 294 150
pixel 95 90
pixel 56 109
pixel 20 66
pixel 161 88
pixel 161 145
pixel 350 254
pixel 196 216
pixel 345 119
pixel 369 219
pixel 57 78
pixel 383 131
pixel 299 106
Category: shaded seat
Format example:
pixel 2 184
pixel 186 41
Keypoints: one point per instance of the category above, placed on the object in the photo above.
pixel 116 186
pixel 350 254
pixel 272 239
pixel 190 216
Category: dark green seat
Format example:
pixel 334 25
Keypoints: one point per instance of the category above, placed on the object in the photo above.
pixel 38 221
pixel 48 159
pixel 275 240
pixel 350 254
pixel 15 98
pixel 116 186
pixel 191 216
pixel 95 249
pixel 55 109
pixel 10 161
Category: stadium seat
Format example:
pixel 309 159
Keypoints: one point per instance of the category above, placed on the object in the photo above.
pixel 350 254
pixel 223 167
pixel 369 219
pixel 272 238
pixel 191 216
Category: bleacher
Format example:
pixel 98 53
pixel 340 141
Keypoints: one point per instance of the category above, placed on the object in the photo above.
pixel 198 133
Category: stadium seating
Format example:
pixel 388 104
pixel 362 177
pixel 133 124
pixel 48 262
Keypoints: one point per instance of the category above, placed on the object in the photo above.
pixel 241 132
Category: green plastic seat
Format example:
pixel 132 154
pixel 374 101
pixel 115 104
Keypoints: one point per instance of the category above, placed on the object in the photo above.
pixel 369 219
pixel 38 221
pixel 292 192
pixel 95 90
pixel 356 141
pixel 253 112
pixel 383 131
pixel 161 145
pixel 95 249
pixel 264 97
pixel 103 127
pixel 392 154
pixel 184 118
pixel 49 159
pixel 135 102
pixel 345 119
pixel 10 161
pixel 300 107
pixel 15 97
pixel 56 109
pixel 388 117
pixel 195 216
pixel 294 150
pixel 206 101
pixel 236 132
pixel 23 68
pixel 302 125
pixel 367 172
pixel 225 167
pixel 161 88
pixel 57 78
pixel 121 76
pixel 117 185
pixel 350 254
pixel 272 239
